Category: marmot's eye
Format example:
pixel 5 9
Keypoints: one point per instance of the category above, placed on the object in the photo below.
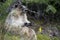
pixel 16 6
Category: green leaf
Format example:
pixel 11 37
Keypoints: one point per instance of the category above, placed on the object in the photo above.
pixel 52 8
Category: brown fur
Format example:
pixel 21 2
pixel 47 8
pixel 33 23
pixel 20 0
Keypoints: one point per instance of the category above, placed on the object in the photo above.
pixel 13 25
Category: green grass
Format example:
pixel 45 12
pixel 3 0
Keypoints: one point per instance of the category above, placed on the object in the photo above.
pixel 39 37
pixel 11 37
pixel 43 37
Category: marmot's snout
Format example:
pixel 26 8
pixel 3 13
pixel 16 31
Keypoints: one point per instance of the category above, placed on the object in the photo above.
pixel 28 24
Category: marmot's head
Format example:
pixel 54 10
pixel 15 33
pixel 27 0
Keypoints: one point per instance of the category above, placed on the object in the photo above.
pixel 20 12
pixel 18 17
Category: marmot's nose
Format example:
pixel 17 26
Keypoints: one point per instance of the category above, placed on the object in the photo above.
pixel 28 24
